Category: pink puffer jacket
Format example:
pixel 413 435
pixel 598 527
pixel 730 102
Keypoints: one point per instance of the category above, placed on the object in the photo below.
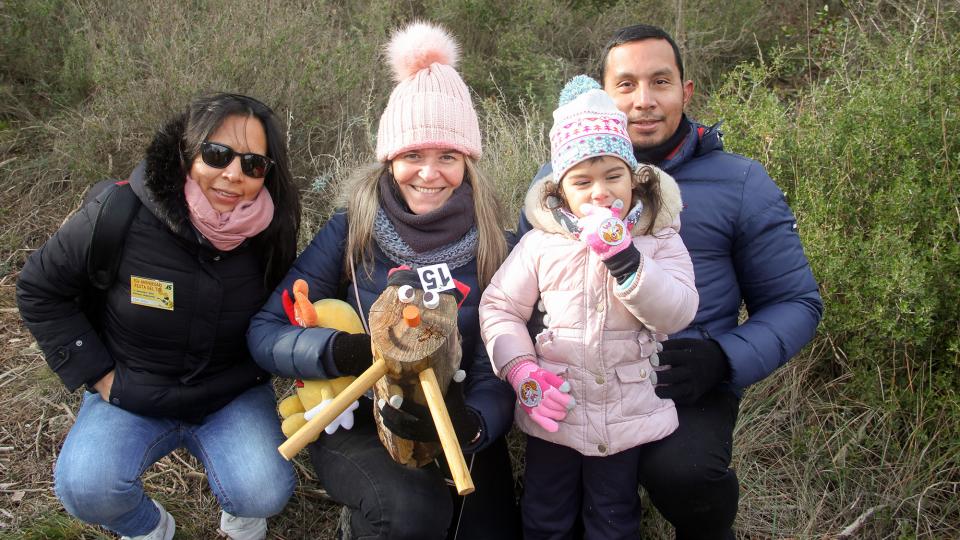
pixel 597 337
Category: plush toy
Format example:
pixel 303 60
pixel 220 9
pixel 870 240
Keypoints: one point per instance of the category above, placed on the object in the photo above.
pixel 313 395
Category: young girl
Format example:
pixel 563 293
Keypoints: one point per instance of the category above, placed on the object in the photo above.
pixel 611 289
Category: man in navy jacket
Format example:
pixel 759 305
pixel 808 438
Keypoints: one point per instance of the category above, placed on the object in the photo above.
pixel 743 240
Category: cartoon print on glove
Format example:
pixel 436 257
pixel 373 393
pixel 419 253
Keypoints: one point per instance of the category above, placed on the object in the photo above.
pixel 529 393
pixel 612 231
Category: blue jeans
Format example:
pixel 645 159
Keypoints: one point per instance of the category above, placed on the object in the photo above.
pixel 97 477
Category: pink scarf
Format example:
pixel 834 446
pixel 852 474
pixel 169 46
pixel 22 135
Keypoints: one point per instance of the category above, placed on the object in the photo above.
pixel 227 230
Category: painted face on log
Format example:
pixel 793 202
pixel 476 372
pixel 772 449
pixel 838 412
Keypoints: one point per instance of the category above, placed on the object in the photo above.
pixel 413 323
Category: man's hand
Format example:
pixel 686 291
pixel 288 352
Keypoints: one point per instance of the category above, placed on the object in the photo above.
pixel 688 368
pixel 104 385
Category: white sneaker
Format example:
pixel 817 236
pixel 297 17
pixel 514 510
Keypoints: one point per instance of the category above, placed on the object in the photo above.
pixel 163 531
pixel 241 528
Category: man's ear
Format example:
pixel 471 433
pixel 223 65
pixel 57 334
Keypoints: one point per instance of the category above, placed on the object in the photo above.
pixel 687 93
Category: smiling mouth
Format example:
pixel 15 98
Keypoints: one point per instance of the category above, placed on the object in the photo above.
pixel 226 194
pixel 426 190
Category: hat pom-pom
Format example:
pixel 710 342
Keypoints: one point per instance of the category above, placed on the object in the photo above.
pixel 577 86
pixel 417 47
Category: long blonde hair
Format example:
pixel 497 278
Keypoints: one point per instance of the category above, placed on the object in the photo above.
pixel 363 195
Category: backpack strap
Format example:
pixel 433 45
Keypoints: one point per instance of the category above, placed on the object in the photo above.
pixel 120 205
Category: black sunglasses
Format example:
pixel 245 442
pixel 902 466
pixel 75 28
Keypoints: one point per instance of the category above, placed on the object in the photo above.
pixel 220 155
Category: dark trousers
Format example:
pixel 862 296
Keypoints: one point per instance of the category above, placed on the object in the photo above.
pixel 562 485
pixel 391 501
pixel 688 475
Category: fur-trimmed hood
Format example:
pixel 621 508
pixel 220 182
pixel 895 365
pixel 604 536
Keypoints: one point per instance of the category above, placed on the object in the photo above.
pixel 543 219
pixel 159 179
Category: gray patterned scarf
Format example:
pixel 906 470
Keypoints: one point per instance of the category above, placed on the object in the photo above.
pixel 455 254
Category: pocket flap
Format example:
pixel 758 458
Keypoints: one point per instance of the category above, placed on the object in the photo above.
pixel 632 373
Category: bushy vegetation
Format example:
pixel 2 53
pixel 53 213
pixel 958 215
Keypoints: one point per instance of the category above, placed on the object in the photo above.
pixel 866 150
pixel 851 105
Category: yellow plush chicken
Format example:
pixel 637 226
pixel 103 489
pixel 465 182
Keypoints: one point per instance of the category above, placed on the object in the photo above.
pixel 312 395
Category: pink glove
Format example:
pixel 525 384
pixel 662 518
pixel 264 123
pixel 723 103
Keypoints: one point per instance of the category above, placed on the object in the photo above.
pixel 603 230
pixel 542 394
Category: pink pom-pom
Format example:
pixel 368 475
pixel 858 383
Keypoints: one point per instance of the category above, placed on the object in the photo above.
pixel 417 47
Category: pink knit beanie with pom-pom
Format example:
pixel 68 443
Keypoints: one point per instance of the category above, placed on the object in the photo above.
pixel 431 106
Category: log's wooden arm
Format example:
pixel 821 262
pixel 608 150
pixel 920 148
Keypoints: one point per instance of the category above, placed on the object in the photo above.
pixel 311 430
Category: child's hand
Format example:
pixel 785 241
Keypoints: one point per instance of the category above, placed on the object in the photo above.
pixel 542 395
pixel 603 230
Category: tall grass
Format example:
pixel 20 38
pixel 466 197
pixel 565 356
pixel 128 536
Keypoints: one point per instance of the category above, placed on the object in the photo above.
pixel 851 105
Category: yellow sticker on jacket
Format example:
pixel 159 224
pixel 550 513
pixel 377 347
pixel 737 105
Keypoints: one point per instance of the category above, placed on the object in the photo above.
pixel 151 293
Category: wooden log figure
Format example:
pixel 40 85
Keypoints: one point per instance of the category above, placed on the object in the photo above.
pixel 415 330
pixel 416 348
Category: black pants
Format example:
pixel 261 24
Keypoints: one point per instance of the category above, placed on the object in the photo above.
pixel 389 500
pixel 561 484
pixel 688 475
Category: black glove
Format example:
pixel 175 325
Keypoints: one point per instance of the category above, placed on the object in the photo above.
pixel 696 366
pixel 624 264
pixel 413 421
pixel 351 353
pixel 536 323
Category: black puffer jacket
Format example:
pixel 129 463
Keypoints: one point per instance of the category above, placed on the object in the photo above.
pixel 182 363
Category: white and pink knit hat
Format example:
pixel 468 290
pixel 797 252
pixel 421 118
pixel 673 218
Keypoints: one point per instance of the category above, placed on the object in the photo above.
pixel 431 106
pixel 587 124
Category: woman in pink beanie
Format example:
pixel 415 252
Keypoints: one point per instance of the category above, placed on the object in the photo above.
pixel 424 202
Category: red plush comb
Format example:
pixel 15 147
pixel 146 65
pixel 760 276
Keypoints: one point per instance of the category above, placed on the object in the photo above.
pixel 397 269
pixel 464 291
pixel 288 307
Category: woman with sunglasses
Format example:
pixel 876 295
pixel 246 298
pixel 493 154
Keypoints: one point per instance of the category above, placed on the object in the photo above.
pixel 164 359
pixel 423 202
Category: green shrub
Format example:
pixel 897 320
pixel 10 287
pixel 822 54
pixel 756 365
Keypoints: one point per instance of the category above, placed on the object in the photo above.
pixel 44 52
pixel 865 155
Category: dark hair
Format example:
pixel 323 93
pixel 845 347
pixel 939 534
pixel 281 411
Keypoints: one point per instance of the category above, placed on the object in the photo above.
pixel 646 188
pixel 278 243
pixel 639 32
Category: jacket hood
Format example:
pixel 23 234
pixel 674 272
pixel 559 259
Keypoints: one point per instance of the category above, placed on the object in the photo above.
pixel 543 219
pixel 159 179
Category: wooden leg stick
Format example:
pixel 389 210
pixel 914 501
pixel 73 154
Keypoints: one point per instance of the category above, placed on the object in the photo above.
pixel 336 407
pixel 448 437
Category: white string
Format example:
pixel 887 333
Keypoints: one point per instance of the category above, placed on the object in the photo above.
pixel 356 295
pixel 464 504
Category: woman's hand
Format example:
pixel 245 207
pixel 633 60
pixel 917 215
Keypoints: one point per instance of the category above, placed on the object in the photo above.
pixel 415 422
pixel 104 385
